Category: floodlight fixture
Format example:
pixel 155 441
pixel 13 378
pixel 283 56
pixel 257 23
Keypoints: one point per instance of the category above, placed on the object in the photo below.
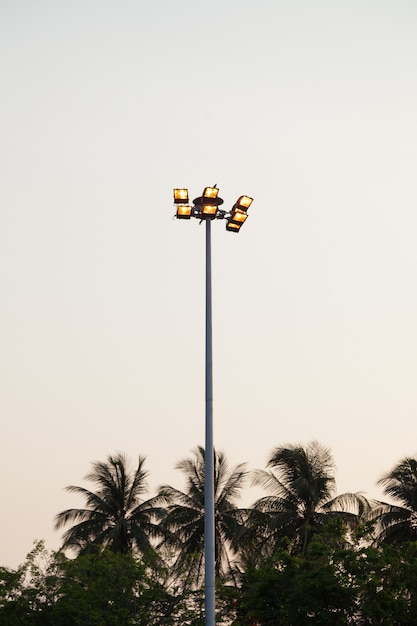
pixel 184 211
pixel 232 227
pixel 244 202
pixel 210 192
pixel 209 210
pixel 238 216
pixel 180 196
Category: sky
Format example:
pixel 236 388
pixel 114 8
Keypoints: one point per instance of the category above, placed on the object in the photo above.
pixel 105 107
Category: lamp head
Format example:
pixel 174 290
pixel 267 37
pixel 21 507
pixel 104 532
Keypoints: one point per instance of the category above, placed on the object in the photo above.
pixel 234 228
pixel 209 210
pixel 238 216
pixel 210 192
pixel 180 196
pixel 184 211
pixel 244 202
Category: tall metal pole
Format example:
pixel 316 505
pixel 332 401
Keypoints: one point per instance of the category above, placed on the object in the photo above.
pixel 206 208
pixel 209 528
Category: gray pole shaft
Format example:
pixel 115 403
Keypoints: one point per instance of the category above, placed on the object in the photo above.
pixel 209 530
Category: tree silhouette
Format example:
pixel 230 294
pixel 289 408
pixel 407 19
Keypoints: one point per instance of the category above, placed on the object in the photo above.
pixel 184 521
pixel 397 523
pixel 302 498
pixel 116 515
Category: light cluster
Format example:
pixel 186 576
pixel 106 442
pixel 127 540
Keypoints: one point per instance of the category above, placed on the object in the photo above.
pixel 207 207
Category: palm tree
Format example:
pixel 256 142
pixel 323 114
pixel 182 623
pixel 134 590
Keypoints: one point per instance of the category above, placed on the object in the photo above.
pixel 302 498
pixel 183 524
pixel 115 516
pixel 397 523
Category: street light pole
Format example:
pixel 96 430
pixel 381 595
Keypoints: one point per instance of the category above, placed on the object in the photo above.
pixel 209 520
pixel 206 208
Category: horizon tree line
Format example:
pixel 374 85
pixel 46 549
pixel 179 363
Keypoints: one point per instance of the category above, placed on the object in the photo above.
pixel 301 554
pixel 300 500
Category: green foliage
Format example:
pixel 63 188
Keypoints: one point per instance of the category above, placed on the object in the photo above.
pixel 28 594
pixel 300 589
pixel 97 590
pixel 334 582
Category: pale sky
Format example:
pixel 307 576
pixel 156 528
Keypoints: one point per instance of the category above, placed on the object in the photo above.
pixel 308 107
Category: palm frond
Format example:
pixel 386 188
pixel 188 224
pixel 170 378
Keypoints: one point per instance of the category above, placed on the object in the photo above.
pixel 183 523
pixel 115 514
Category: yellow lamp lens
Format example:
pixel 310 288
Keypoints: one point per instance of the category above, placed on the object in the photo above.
pixel 210 192
pixel 239 216
pixel 181 195
pixel 184 210
pixel 209 209
pixel 245 201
